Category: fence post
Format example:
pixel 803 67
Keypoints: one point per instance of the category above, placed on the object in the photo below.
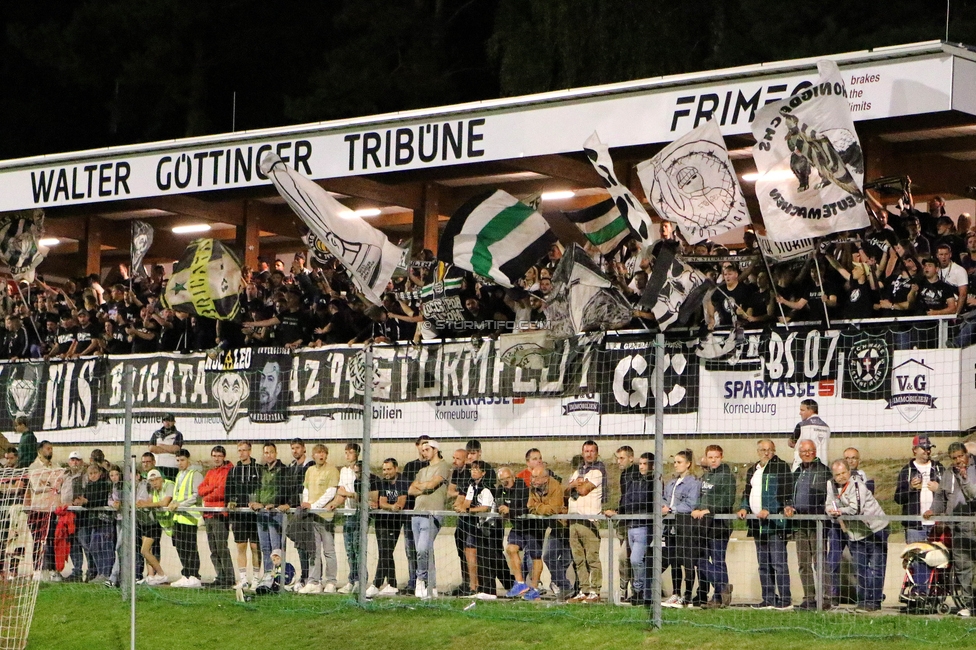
pixel 658 528
pixel 127 567
pixel 821 560
pixel 364 487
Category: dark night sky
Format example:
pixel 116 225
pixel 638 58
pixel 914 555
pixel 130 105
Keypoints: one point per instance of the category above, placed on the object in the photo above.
pixel 104 72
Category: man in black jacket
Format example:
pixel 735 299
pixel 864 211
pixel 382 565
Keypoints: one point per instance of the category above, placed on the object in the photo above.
pixel 809 496
pixel 242 483
pixel 512 498
pixel 769 491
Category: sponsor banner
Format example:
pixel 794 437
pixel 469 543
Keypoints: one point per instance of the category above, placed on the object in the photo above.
pixel 51 395
pixel 655 111
pixel 628 363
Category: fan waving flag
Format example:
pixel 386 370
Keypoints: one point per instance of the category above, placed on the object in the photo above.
pixel 630 208
pixel 583 299
pixel 811 168
pixel 674 291
pixel 206 281
pixel 692 182
pixel 365 252
pixel 603 225
pixel 497 237
pixel 20 248
pixel 142 239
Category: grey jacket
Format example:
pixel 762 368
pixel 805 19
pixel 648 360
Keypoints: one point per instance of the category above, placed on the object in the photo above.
pixel 857 500
pixel 957 496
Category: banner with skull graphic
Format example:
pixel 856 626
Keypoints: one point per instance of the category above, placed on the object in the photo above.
pixel 810 163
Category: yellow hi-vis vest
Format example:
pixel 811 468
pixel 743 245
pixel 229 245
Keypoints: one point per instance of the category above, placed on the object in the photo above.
pixel 184 491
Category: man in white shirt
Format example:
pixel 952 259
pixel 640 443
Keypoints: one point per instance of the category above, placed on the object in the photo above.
pixel 953 274
pixel 586 498
pixel 350 524
pixel 810 427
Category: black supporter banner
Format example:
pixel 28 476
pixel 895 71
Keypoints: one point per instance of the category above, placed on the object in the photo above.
pixel 52 395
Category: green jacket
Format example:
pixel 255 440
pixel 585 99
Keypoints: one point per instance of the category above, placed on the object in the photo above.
pixel 718 497
pixel 267 493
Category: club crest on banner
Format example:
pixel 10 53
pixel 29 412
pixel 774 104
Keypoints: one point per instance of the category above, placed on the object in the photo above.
pixel 867 364
pixel 22 390
pixel 910 383
pixel 231 391
pixel 582 407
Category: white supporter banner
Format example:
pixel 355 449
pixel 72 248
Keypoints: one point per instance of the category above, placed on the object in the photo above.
pixel 647 112
pixel 784 251
pixel 810 162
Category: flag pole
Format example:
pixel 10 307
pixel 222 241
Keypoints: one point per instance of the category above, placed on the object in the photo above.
pixel 772 283
pixel 816 265
pixel 29 319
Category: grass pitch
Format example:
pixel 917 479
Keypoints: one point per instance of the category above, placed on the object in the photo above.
pixel 89 617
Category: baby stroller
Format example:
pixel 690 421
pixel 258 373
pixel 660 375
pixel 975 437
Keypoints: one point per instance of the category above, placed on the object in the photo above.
pixel 929 580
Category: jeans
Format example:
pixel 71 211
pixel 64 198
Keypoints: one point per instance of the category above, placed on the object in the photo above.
pixel 712 564
pixel 963 550
pixel 557 557
pixel 425 530
pixel 836 541
pixel 870 558
pixel 80 550
pixel 269 534
pixel 637 538
pixel 350 537
pixel 774 572
pixel 324 532
pixel 411 550
pixel 101 546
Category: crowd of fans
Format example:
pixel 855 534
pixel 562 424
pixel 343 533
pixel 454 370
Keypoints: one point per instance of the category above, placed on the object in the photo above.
pixel 908 262
pixel 263 505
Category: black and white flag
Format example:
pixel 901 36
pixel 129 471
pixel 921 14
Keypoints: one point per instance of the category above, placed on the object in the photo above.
pixel 316 247
pixel 630 208
pixel 142 240
pixel 497 237
pixel 810 163
pixel 674 291
pixel 365 252
pixel 583 299
pixel 20 247
pixel 692 182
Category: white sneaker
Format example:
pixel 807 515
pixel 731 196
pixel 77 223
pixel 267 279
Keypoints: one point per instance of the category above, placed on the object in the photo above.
pixel 389 590
pixel 330 588
pixel 964 612
pixel 311 588
pixel 349 588
pixel 674 602
pixel 243 583
pixel 193 583
pixel 38 576
pixel 432 593
pixel 481 595
pixel 421 590
pixel 180 583
pixel 155 581
pixel 372 592
pixel 55 577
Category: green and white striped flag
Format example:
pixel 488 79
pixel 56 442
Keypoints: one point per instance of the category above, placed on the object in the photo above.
pixel 495 236
pixel 602 224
